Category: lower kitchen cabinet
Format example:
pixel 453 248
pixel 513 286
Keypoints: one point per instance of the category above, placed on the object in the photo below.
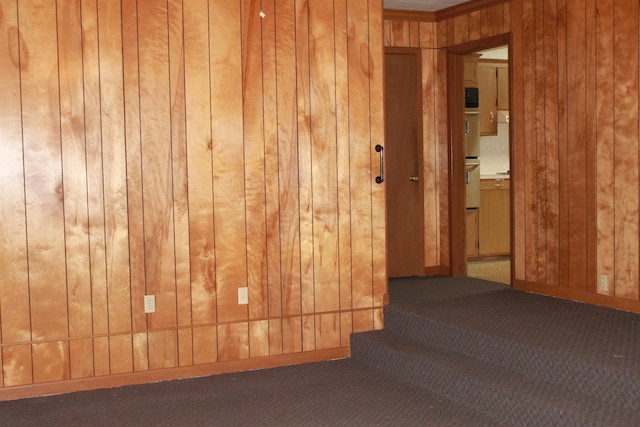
pixel 494 217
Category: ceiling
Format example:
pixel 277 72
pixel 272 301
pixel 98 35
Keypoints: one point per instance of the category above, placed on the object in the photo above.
pixel 423 5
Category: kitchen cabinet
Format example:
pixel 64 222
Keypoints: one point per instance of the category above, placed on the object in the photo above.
pixel 472 232
pixel 494 217
pixel 471 70
pixel 493 85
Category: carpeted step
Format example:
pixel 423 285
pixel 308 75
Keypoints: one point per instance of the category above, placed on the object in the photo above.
pixel 566 362
pixel 505 396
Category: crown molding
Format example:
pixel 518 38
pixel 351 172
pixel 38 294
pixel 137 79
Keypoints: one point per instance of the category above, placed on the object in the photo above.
pixel 409 15
pixel 465 8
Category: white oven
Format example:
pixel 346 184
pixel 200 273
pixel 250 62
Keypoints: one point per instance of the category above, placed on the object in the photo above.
pixel 472 181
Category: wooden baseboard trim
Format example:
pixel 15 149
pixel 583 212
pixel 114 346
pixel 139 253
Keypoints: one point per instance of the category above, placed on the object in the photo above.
pixel 579 296
pixel 145 377
pixel 437 270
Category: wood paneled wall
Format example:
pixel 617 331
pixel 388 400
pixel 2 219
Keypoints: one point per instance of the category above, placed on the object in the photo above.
pixel 185 149
pixel 576 148
pixel 574 116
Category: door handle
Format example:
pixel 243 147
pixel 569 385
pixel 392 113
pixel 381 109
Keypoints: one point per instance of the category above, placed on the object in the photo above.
pixel 414 178
pixel 380 178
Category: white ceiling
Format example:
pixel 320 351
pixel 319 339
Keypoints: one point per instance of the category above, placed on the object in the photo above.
pixel 424 5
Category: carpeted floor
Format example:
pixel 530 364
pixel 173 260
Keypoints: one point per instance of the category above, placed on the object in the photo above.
pixel 334 393
pixel 495 270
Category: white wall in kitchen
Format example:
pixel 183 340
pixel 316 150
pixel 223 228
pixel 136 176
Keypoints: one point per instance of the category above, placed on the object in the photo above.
pixel 494 150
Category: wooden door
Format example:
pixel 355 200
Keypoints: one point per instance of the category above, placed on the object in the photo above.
pixel 403 115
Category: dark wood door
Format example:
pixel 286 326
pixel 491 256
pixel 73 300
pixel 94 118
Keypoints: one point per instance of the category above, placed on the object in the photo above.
pixel 403 142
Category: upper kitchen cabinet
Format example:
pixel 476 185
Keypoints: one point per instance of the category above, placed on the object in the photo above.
pixel 471 70
pixel 493 84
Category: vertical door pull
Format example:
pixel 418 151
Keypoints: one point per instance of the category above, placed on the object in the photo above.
pixel 380 178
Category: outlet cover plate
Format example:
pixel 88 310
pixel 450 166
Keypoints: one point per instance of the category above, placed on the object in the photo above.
pixel 149 303
pixel 243 296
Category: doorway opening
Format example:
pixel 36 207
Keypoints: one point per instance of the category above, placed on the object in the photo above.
pixel 481 152
pixel 488 166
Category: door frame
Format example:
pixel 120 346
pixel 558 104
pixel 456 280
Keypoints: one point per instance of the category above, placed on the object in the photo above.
pixel 417 52
pixel 457 203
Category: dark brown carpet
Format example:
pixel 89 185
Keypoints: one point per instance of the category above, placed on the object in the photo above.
pixel 335 393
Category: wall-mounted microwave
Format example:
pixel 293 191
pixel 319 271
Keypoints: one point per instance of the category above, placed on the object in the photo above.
pixel 471 97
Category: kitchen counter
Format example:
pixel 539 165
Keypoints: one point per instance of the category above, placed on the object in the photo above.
pixel 496 176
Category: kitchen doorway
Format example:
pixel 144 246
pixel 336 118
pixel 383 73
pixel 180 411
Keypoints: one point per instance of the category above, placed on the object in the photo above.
pixel 488 222
pixel 467 244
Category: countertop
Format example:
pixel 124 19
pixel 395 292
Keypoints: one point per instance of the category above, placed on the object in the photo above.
pixel 496 176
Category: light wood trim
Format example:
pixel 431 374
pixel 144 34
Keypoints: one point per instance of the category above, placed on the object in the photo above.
pixel 194 371
pixel 467 8
pixel 406 15
pixel 578 295
pixel 457 199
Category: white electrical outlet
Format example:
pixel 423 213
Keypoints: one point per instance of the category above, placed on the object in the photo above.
pixel 243 296
pixel 149 303
pixel 603 285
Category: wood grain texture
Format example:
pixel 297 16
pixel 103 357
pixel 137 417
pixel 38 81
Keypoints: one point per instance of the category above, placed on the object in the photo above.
pixel 303 102
pixel 625 111
pixel 157 182
pixel 43 172
pixel 199 167
pixel 551 174
pixel 378 194
pixel 272 158
pixel 605 169
pixel 14 281
pixel 324 157
pixel 288 168
pixel 345 241
pixel 229 202
pixel 254 159
pixel 361 153
pixel 185 150
pixel 131 91
pixel 574 128
pixel 180 176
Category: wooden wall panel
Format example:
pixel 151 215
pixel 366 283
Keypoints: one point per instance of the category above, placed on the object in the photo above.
pixel 131 92
pixel 605 66
pixel 342 158
pixel 95 188
pixel 272 181
pixel 157 195
pixel 44 192
pixel 376 132
pixel 324 172
pixel 228 158
pixel 199 167
pixel 254 167
pixel 288 171
pixel 14 295
pixel 185 150
pixel 180 180
pixel 304 162
pixel 626 148
pixel 360 155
